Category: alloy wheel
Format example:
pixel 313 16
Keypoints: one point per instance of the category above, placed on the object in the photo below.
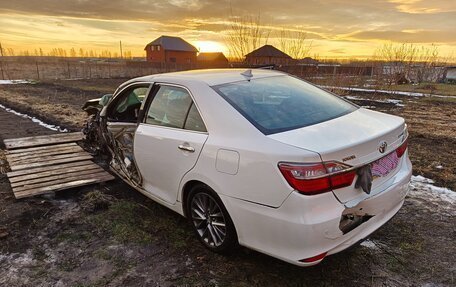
pixel 208 219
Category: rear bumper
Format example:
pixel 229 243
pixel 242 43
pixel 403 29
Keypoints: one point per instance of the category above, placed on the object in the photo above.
pixel 306 226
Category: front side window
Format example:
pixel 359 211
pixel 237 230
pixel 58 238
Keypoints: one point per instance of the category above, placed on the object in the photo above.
pixel 127 105
pixel 282 103
pixel 173 107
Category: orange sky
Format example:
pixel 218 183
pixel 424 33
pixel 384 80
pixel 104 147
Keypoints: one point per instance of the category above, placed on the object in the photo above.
pixel 337 28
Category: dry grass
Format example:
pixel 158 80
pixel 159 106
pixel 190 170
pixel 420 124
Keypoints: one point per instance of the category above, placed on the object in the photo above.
pixel 4 167
pixel 97 200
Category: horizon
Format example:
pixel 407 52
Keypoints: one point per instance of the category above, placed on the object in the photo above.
pixel 335 29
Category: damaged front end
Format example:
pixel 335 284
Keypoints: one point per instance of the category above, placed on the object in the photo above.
pixel 114 140
pixel 94 140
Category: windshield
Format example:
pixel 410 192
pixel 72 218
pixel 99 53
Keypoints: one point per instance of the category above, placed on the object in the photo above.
pixel 283 103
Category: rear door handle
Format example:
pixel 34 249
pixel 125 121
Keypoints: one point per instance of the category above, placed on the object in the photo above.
pixel 186 147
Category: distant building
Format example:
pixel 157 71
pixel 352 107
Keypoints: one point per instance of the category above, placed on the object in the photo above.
pixel 267 55
pixel 167 49
pixel 308 61
pixel 450 75
pixel 414 73
pixel 212 60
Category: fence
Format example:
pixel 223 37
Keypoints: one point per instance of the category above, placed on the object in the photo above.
pixel 67 68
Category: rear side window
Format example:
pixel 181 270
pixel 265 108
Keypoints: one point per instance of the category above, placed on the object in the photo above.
pixel 173 107
pixel 194 121
pixel 283 103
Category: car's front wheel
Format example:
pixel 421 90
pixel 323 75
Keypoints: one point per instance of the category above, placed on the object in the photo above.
pixel 210 220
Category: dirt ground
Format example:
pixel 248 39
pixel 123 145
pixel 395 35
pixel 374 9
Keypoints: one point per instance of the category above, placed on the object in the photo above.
pixel 110 235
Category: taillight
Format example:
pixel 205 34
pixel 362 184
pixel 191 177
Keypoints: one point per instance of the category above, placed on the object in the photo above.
pixel 401 150
pixel 315 178
pixel 315 258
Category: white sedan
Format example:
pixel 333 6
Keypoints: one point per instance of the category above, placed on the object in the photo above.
pixel 258 158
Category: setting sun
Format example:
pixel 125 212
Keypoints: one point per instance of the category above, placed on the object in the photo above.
pixel 210 46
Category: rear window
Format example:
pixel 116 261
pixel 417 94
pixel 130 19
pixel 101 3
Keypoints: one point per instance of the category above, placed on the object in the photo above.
pixel 283 103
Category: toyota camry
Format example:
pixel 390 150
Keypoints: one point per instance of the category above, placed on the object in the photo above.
pixel 257 158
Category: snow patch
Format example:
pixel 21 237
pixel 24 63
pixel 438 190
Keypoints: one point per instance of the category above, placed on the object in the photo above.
pixel 13 82
pixel 35 120
pixel 369 244
pixel 397 103
pixel 423 187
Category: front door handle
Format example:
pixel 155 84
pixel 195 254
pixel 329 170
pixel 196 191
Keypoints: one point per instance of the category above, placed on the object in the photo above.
pixel 186 147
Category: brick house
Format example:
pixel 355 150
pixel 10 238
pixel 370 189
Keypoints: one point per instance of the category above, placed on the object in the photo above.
pixel 267 55
pixel 167 49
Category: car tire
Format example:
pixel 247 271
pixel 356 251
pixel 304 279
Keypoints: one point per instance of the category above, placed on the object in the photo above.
pixel 210 220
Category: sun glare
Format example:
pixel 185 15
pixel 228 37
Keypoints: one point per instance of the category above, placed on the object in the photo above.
pixel 210 46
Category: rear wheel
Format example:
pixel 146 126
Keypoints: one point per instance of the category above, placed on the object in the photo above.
pixel 210 220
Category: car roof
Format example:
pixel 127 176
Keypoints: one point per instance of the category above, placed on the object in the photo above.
pixel 212 77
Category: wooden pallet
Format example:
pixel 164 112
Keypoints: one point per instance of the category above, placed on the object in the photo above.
pixel 46 164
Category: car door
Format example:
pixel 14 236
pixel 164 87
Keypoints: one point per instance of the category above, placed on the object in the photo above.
pixel 121 123
pixel 168 141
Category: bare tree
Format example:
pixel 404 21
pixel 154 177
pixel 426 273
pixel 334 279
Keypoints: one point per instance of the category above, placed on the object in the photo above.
pixel 430 66
pixel 245 34
pixel 295 43
pixel 73 53
pixel 10 52
pixel 1 62
pixel 399 59
pixel 414 63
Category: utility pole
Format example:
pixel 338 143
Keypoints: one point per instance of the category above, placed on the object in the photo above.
pixel 1 61
pixel 121 54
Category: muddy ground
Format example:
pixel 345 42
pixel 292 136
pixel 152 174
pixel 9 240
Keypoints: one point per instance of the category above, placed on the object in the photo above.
pixel 110 235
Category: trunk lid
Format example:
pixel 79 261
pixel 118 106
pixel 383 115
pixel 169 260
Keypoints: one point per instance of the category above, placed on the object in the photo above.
pixel 353 139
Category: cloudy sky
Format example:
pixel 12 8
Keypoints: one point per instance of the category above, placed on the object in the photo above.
pixel 337 28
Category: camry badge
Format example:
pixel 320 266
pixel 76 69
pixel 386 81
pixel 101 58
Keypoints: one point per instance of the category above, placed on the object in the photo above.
pixel 382 146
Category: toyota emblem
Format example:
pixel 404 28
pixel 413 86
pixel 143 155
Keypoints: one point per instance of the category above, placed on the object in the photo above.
pixel 382 147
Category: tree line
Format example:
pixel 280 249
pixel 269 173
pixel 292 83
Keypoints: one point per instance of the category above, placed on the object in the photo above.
pixel 65 53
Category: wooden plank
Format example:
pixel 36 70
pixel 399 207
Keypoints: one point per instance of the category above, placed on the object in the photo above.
pixel 50 175
pixel 50 148
pixel 38 154
pixel 12 174
pixel 46 158
pixel 59 135
pixel 50 162
pixel 62 186
pixel 42 140
pixel 58 179
pixel 45 138
pixel 41 148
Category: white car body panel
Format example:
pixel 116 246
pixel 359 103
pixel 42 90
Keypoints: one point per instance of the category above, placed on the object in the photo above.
pixel 160 170
pixel 240 164
pixel 357 134
pixel 305 226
